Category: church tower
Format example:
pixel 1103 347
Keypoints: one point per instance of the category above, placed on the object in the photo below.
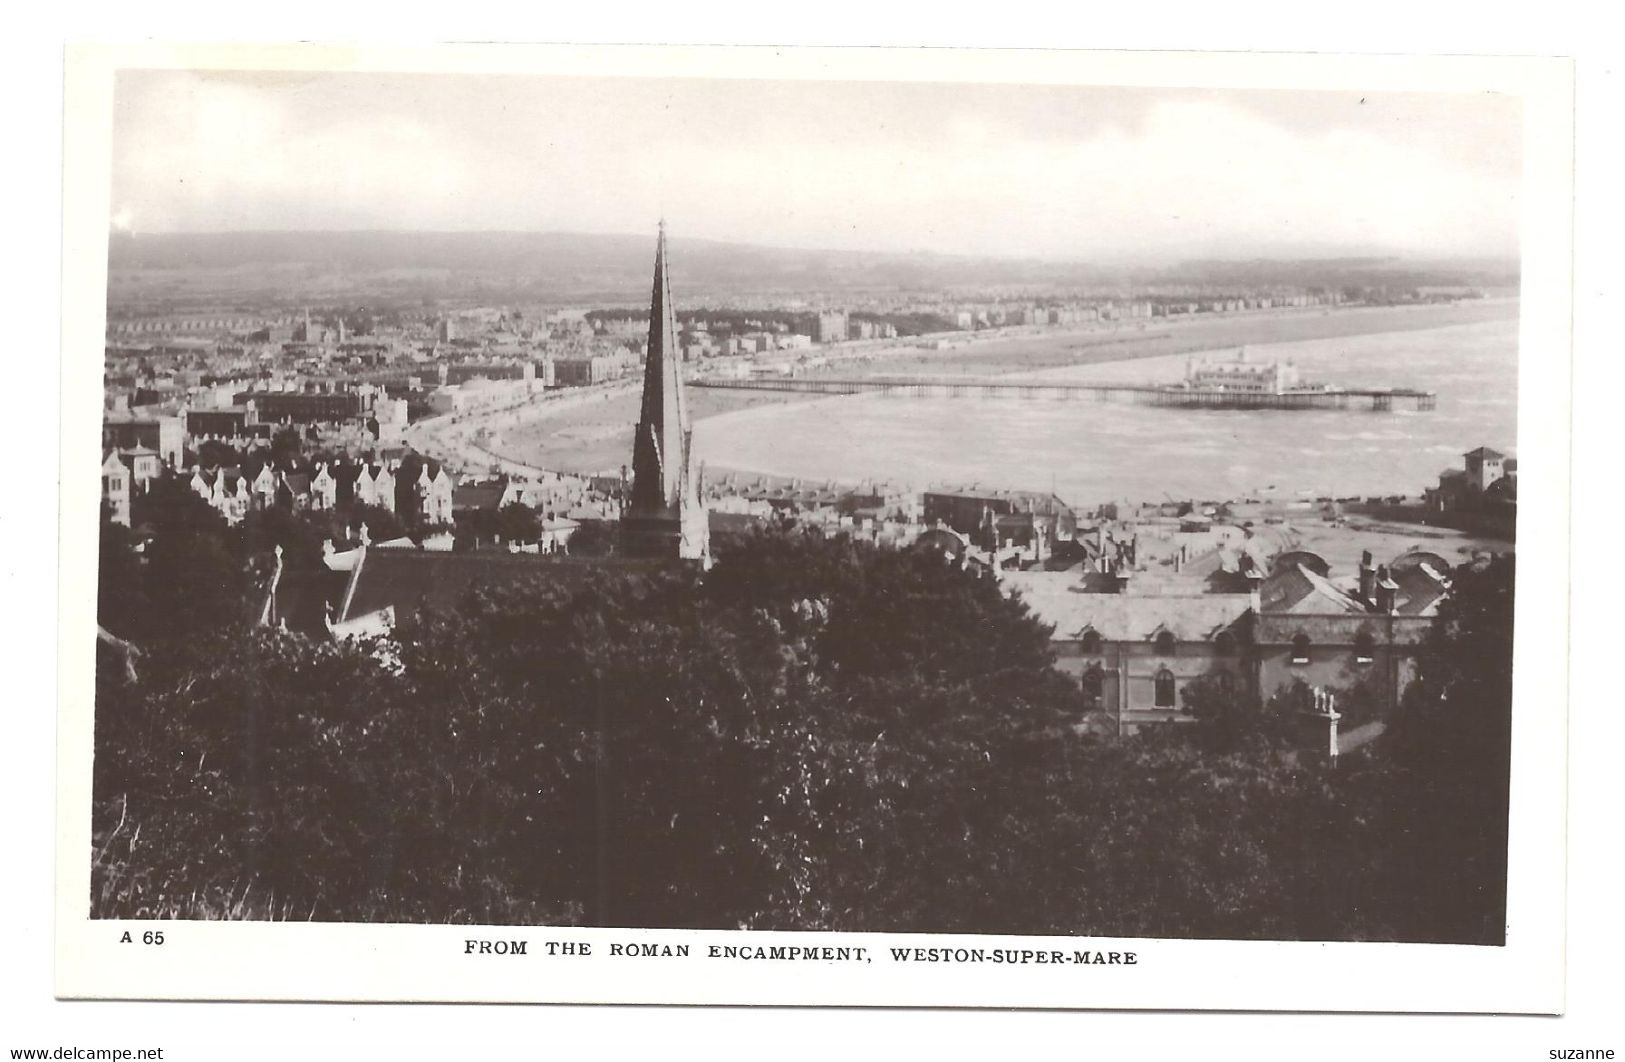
pixel 664 517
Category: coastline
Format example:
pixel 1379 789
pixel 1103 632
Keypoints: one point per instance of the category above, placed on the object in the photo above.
pixel 596 436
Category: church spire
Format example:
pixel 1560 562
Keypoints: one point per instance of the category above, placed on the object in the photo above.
pixel 657 453
pixel 665 504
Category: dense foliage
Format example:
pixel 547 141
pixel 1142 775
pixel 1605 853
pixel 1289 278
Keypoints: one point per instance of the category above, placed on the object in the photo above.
pixel 813 735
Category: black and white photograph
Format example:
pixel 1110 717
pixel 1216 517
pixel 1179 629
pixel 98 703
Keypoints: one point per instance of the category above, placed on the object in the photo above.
pixel 704 519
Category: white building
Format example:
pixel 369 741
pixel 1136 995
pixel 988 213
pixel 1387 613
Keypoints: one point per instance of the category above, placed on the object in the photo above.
pixel 1241 375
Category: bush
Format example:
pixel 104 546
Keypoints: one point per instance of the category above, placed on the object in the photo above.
pixel 814 735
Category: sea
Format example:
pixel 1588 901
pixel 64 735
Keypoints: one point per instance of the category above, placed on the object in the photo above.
pixel 1092 452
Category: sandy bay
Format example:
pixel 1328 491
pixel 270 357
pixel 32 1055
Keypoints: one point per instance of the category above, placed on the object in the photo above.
pixel 596 435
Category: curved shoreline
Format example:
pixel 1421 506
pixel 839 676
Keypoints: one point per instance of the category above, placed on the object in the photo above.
pixel 592 434
pixel 745 436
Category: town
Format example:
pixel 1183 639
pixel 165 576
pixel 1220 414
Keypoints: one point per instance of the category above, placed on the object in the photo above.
pixel 847 556
pixel 316 419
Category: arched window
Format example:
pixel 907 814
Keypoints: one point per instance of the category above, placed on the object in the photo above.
pixel 1224 644
pixel 1164 694
pixel 1090 642
pixel 1165 643
pixel 1364 647
pixel 1094 687
pixel 1300 649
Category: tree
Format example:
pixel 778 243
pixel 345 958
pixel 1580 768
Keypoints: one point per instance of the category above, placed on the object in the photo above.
pixel 382 524
pixel 213 453
pixel 287 444
pixel 1230 716
pixel 121 603
pixel 816 734
pixel 299 534
pixel 1453 739
pixel 518 523
pixel 592 539
pixel 190 577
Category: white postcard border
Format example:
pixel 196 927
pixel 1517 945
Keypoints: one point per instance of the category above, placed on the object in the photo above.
pixel 281 961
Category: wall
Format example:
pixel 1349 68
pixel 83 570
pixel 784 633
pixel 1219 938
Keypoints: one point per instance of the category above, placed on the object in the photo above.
pixel 1130 670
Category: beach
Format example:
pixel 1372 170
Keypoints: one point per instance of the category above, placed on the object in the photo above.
pixel 595 434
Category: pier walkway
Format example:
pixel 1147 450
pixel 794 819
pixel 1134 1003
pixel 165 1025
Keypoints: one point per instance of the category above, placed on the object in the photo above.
pixel 1377 400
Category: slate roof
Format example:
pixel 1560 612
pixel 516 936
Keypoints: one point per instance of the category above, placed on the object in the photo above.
pixel 1300 589
pixel 1060 599
pixel 1420 590
pixel 1043 503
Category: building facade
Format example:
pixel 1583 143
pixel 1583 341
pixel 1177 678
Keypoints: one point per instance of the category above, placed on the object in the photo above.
pixel 164 434
pixel 1241 375
pixel 1136 650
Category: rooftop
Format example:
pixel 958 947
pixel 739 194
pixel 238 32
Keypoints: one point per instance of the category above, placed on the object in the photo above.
pixel 1061 600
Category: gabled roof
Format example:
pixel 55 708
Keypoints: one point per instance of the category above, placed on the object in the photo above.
pixel 1059 599
pixel 1043 503
pixel 1484 453
pixel 1420 589
pixel 1300 589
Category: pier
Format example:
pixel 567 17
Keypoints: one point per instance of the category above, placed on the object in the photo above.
pixel 1376 400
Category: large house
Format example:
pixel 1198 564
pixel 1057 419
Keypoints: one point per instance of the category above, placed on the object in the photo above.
pixel 1135 640
pixel 1488 479
pixel 116 489
pixel 164 434
pixel 424 490
pixel 1133 655
pixel 226 489
pixel 1362 636
pixel 1017 517
pixel 373 484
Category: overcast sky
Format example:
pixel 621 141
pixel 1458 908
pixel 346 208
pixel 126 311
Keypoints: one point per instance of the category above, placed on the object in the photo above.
pixel 1071 172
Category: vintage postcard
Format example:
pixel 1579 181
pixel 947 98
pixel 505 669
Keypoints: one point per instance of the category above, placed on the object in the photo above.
pixel 814 526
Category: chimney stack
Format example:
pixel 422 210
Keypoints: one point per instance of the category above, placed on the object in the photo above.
pixel 1366 578
pixel 1387 590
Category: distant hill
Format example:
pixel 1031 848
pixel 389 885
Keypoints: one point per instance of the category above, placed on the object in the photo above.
pixel 562 265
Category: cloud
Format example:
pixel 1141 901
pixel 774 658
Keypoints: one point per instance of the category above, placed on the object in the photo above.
pixel 984 169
